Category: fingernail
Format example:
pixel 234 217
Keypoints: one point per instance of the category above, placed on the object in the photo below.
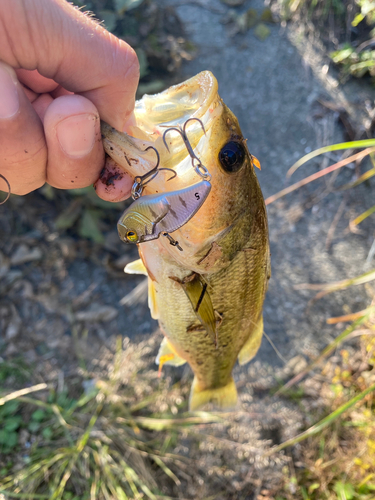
pixel 76 134
pixel 130 122
pixel 9 102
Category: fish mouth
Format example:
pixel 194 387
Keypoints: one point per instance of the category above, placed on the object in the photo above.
pixel 175 105
pixel 195 98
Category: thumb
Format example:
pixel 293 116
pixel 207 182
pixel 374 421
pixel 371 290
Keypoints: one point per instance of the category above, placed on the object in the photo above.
pixel 66 45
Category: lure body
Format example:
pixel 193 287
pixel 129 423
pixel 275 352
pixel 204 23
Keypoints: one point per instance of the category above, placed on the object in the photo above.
pixel 153 214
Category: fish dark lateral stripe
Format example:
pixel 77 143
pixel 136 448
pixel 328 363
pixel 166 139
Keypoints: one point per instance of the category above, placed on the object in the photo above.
pixel 201 297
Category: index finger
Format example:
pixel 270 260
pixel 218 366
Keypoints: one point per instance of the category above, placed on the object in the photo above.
pixel 69 47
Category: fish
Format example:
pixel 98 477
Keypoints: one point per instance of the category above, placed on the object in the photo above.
pixel 208 298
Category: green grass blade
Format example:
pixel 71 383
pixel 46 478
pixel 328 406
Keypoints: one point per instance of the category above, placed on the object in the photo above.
pixel 367 143
pixel 325 422
pixel 362 217
pixel 22 392
pixel 166 469
pixel 337 285
pixel 160 424
pixel 27 496
pixel 327 350
pixel 364 177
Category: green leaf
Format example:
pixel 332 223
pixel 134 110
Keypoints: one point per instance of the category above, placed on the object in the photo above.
pixel 143 62
pixel 34 426
pixel 8 439
pixel 344 491
pixel 251 18
pixel 313 486
pixel 358 19
pixel 38 415
pixel 47 433
pixel 122 6
pixel 341 55
pixel 12 440
pixel 69 216
pixel 150 87
pixel 267 16
pixel 48 192
pixel 80 191
pixel 13 423
pixel 109 18
pixel 9 408
pixel 89 226
pixel 262 31
pixel 3 436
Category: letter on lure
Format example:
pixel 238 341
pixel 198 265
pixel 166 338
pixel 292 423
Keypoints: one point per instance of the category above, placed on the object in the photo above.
pixel 209 298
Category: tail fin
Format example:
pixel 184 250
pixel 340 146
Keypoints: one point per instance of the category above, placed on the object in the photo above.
pixel 223 398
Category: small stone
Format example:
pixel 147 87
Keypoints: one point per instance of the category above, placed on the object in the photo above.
pixel 97 313
pixel 24 254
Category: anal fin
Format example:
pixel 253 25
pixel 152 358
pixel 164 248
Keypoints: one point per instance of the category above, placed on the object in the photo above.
pixel 168 356
pixel 252 344
pixel 223 398
pixel 137 267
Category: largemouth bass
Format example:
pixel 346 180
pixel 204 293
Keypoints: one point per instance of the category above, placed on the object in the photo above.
pixel 208 297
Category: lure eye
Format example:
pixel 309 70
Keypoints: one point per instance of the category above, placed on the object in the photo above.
pixel 232 156
pixel 132 236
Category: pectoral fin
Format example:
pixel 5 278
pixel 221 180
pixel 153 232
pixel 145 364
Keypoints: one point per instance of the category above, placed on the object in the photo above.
pixel 136 267
pixel 252 344
pixel 152 300
pixel 168 356
pixel 196 290
pixel 223 398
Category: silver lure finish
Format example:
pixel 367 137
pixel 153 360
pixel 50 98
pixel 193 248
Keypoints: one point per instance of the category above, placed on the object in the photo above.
pixel 152 215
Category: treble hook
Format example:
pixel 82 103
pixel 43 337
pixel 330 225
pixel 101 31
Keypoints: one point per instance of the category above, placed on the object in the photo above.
pixel 198 167
pixel 140 181
pixel 9 190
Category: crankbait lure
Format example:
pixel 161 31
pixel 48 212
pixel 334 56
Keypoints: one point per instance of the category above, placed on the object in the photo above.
pixel 152 215
pixel 9 190
pixel 140 181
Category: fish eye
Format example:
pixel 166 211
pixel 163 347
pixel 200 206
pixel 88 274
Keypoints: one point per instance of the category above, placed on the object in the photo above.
pixel 132 236
pixel 232 156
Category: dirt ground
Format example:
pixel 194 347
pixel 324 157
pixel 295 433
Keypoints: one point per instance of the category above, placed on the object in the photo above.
pixel 57 290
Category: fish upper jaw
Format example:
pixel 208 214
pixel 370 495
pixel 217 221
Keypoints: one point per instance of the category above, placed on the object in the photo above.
pixel 194 98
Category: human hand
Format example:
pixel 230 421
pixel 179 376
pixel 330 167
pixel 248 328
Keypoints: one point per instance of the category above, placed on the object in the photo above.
pixel 59 70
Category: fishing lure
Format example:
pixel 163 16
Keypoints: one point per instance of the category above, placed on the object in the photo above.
pixel 160 214
pixel 140 181
pixel 152 215
pixel 9 189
